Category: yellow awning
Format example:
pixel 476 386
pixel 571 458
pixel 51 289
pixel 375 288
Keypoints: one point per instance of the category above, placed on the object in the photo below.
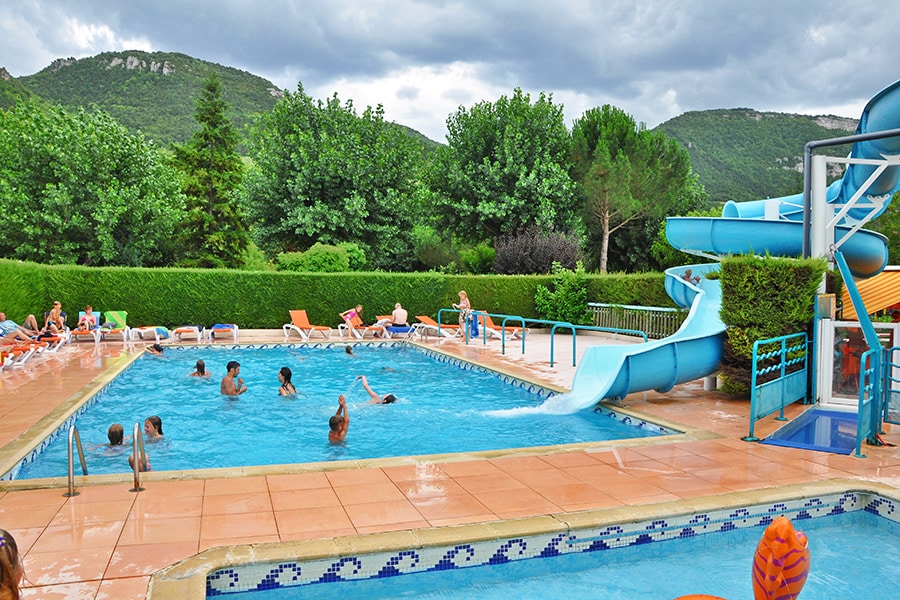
pixel 878 293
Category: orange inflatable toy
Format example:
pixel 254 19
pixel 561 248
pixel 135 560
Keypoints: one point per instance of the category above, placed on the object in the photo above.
pixel 699 597
pixel 781 564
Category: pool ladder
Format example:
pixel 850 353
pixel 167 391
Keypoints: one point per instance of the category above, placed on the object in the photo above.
pixel 139 457
pixel 74 442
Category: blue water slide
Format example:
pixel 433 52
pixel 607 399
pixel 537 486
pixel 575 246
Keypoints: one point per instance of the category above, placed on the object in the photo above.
pixel 770 226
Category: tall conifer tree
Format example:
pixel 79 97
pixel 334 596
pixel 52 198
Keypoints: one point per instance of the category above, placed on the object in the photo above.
pixel 213 232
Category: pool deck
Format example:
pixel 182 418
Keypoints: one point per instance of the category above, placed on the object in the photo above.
pixel 107 541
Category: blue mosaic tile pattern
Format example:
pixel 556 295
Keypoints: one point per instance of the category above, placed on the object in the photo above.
pixel 392 564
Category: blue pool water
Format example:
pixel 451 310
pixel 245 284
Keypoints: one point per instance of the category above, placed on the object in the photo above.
pixel 818 429
pixel 854 555
pixel 441 408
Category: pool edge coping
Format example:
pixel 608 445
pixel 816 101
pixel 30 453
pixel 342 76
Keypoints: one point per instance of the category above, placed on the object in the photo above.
pixel 187 578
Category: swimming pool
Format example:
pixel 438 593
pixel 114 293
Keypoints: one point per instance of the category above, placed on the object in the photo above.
pixel 853 537
pixel 444 406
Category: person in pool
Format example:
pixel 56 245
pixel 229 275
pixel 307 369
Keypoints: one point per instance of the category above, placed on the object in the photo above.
pixel 144 465
pixel 155 350
pixel 200 369
pixel 339 423
pixel 287 388
pixel 376 399
pixel 231 386
pixel 153 427
pixel 116 434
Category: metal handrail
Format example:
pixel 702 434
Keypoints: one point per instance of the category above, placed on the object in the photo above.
pixel 139 457
pixel 574 328
pixel 74 439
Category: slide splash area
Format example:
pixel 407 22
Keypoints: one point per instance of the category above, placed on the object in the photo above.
pixel 772 225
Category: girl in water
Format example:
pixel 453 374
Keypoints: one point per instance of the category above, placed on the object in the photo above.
pixel 287 388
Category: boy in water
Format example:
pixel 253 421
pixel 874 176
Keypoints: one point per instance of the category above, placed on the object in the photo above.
pixel 339 423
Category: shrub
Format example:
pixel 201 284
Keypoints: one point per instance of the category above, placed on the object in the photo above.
pixel 568 300
pixel 321 258
pixel 289 261
pixel 533 251
pixel 431 249
pixel 477 260
pixel 355 255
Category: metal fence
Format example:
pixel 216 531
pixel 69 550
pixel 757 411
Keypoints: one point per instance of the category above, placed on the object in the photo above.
pixel 656 322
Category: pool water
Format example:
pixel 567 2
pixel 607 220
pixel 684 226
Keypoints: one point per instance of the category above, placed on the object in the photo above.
pixel 441 408
pixel 854 555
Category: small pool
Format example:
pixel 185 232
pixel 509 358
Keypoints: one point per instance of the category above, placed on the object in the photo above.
pixel 854 542
pixel 444 406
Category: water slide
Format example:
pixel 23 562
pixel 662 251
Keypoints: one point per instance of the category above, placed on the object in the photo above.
pixel 770 226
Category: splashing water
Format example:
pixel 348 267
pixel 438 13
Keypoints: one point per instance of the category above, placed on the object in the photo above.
pixel 560 404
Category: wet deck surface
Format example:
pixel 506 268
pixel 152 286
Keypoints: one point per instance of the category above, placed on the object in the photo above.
pixel 107 541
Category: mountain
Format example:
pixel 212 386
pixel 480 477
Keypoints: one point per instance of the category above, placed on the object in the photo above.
pixel 11 90
pixel 742 154
pixel 151 92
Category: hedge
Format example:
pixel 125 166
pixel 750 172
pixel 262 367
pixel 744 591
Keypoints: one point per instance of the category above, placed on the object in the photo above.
pixel 261 300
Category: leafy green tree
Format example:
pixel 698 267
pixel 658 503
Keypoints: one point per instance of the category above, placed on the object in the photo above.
pixel 567 301
pixel 625 172
pixel 504 168
pixel 213 232
pixel 77 188
pixel 325 174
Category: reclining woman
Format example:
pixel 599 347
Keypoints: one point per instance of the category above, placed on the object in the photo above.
pixel 88 320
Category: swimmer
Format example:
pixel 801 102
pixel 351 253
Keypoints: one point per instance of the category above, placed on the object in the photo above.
pixel 376 399
pixel 200 369
pixel 339 423
pixel 153 427
pixel 230 386
pixel 155 350
pixel 144 465
pixel 287 388
pixel 116 434
pixel 348 350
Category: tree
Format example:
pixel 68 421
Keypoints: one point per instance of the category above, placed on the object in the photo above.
pixel 77 188
pixel 213 233
pixel 324 174
pixel 625 173
pixel 504 168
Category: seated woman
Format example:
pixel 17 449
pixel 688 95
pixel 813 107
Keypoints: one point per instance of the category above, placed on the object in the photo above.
pixel 88 320
pixel 55 321
pixel 349 315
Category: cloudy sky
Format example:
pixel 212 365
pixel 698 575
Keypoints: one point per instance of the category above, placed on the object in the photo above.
pixel 423 59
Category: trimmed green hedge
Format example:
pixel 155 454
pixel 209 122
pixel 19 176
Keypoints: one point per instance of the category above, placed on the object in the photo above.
pixel 174 297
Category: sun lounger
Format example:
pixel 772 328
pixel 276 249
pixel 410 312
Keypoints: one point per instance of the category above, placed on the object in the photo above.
pixel 428 325
pixel 484 320
pixel 300 323
pixel 80 334
pixel 157 331
pixel 194 331
pixel 115 325
pixel 360 330
pixel 223 329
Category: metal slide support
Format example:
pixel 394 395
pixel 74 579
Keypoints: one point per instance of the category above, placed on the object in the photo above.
pixel 74 442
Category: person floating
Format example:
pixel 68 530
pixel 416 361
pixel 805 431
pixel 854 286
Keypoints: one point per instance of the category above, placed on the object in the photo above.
pixel 339 423
pixel 376 399
pixel 231 386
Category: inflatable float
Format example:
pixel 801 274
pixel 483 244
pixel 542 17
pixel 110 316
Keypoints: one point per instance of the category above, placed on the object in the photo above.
pixel 780 565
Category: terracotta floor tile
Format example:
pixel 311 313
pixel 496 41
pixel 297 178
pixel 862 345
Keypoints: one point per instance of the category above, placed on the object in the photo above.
pixel 235 504
pixel 66 566
pixel 92 512
pixel 490 483
pixel 297 481
pixel 690 462
pixel 83 590
pixel 423 470
pixel 375 514
pixel 105 493
pixel 304 498
pixel 646 468
pixel 312 519
pixel 25 516
pixel 595 474
pixel 545 479
pixel 729 477
pixel 172 489
pixel 33 499
pixel 470 468
pixel 368 493
pixel 629 487
pixel 140 530
pixel 206 544
pixel 569 459
pixel 576 494
pixel 317 535
pixel 518 464
pixel 430 488
pixel 133 561
pixel 217 527
pixel 683 484
pixel 165 507
pixel 450 507
pixel 129 588
pixel 657 451
pixel 355 477
pixel 524 502
pixel 463 520
pixel 235 485
pixel 74 537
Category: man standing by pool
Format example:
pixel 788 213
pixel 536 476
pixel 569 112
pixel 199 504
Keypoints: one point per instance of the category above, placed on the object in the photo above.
pixel 230 386
pixel 339 423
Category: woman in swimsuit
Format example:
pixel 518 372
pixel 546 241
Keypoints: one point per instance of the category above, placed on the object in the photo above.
pixel 350 314
pixel 287 388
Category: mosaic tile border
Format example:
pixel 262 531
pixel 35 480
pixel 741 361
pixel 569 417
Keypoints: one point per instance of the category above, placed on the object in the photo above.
pixel 260 577
pixel 540 391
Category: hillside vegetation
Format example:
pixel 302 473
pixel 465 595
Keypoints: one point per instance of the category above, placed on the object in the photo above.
pixel 742 154
pixel 151 92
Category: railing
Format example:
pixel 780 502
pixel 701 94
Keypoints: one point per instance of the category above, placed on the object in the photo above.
pixel 891 413
pixel 786 388
pixel 867 416
pixel 658 322
pixel 574 328
pixel 139 457
pixel 74 442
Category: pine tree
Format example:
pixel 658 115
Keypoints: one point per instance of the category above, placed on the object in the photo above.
pixel 213 233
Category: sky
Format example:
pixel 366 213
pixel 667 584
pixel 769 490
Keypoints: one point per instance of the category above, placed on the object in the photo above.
pixel 423 60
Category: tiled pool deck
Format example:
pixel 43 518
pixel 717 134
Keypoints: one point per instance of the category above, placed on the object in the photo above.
pixel 106 542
